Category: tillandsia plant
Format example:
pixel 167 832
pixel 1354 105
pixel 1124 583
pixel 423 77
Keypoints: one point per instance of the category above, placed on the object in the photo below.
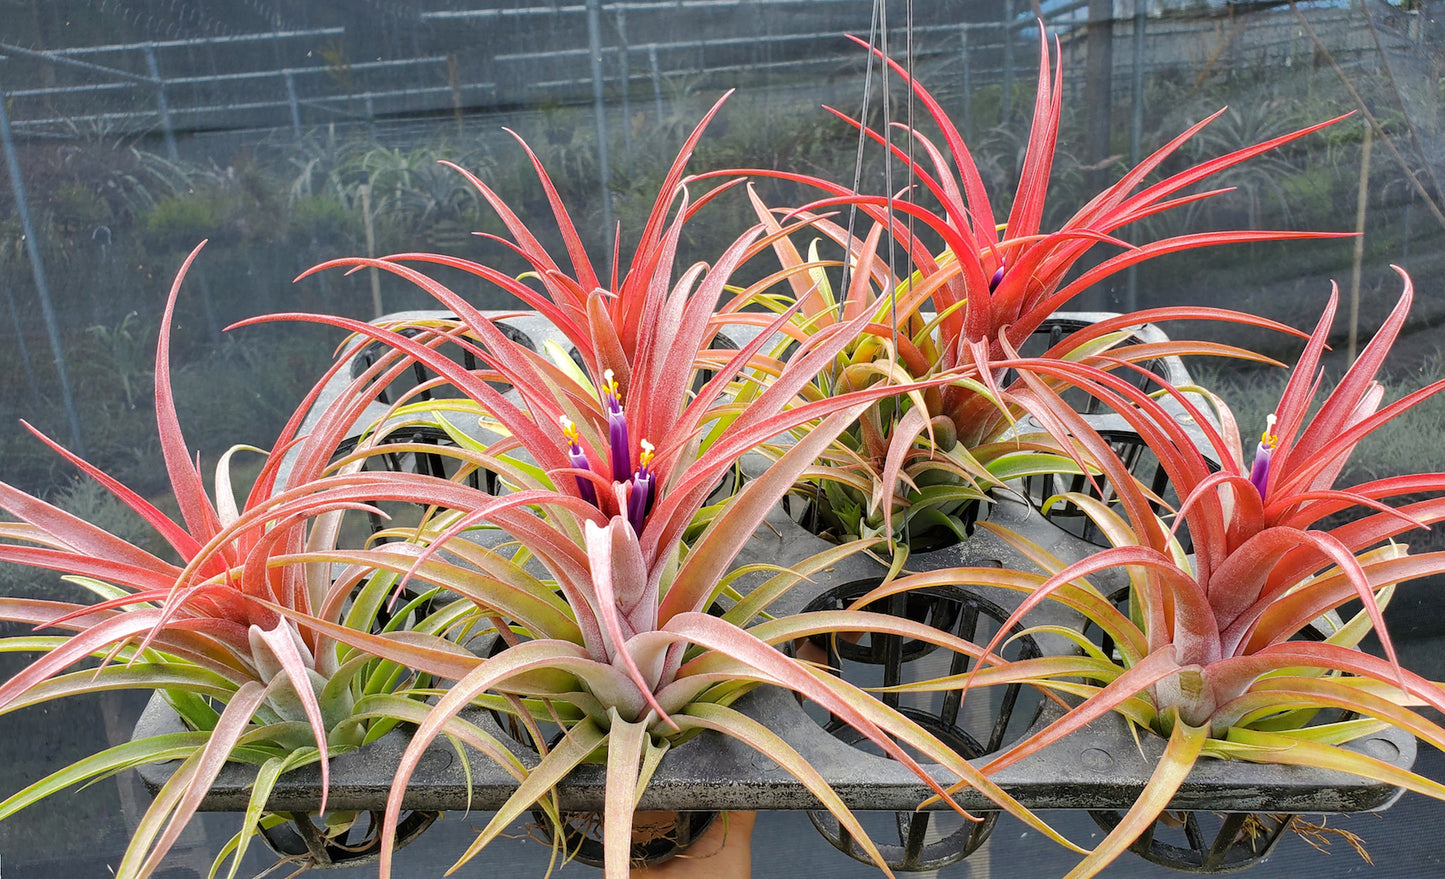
pixel 985 287
pixel 212 632
pixel 601 591
pixel 1232 652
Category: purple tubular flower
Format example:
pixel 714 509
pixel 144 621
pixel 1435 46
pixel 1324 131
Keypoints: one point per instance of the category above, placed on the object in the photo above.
pixel 617 430
pixel 579 460
pixel 1259 471
pixel 639 499
pixel 996 279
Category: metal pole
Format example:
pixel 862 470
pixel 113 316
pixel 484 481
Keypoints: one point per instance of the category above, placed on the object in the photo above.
pixel 1098 85
pixel 656 80
pixel 1006 105
pixel 20 337
pixel 594 49
pixel 161 104
pixel 59 59
pixel 1136 87
pixel 454 82
pixel 1136 133
pixel 365 191
pixel 1098 99
pixel 287 78
pixel 37 268
pixel 624 73
pixel 295 105
pixel 967 87
pixel 1361 203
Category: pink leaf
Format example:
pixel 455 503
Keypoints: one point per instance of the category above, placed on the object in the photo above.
pixel 283 642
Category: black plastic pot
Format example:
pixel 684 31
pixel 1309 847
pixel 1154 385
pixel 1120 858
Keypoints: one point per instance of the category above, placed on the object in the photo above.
pixel 1204 842
pixel 1199 841
pixel 1142 464
pixel 1100 767
pixel 926 840
pixel 300 839
pixel 654 842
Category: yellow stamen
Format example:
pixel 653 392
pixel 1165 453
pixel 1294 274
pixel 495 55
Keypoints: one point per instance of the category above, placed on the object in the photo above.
pixel 1268 439
pixel 609 383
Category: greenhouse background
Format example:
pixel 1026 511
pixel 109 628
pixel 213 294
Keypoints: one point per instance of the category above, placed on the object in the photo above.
pixel 289 133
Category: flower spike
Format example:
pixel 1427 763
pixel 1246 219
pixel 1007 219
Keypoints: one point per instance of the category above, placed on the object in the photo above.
pixel 579 460
pixel 639 501
pixel 997 277
pixel 616 428
pixel 1268 441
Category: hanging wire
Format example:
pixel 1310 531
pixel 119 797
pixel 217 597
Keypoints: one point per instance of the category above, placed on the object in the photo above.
pixel 909 56
pixel 881 15
pixel 815 510
pixel 888 164
pixel 889 187
pixel 878 46
pixel 858 152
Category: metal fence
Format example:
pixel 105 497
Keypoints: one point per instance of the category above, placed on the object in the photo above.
pixel 473 61
pixel 486 60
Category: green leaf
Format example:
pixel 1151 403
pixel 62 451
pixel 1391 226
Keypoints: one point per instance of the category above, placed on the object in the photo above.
pixel 626 743
pixel 152 749
pixel 764 594
pixel 267 822
pixel 173 676
pixel 265 782
pixel 1276 748
pixel 750 732
pixel 580 743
